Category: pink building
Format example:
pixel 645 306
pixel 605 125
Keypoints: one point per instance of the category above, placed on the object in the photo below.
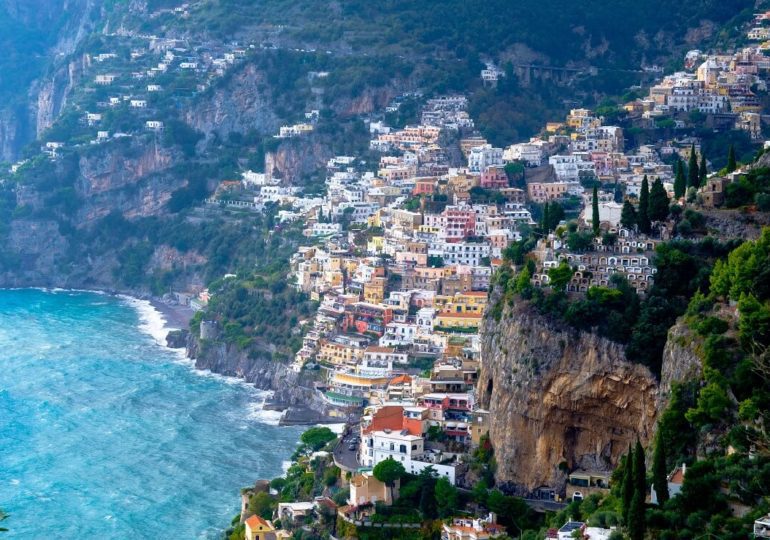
pixel 494 178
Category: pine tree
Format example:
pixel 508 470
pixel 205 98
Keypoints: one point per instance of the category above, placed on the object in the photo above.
pixel 627 493
pixel 595 212
pixel 658 205
pixel 643 216
pixel 628 215
pixel 680 184
pixel 692 169
pixel 732 165
pixel 659 469
pixel 703 171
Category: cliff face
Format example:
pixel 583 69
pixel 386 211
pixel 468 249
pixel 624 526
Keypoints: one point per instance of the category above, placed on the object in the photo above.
pixel 292 392
pixel 556 395
pixel 239 104
pixel 30 105
pixel 130 180
pixel 680 360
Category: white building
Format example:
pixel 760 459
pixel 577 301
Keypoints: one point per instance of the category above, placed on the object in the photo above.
pixel 484 156
pixel 463 253
pixel 154 125
pixel 609 212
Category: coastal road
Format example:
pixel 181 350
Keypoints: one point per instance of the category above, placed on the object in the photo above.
pixel 344 458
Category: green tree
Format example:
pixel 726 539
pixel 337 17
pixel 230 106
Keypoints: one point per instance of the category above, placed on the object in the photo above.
pixel 732 165
pixel 389 471
pixel 754 323
pixel 428 493
pixel 262 504
pixel 627 493
pixel 703 171
pixel 316 438
pixel 658 206
pixel 628 215
pixel 447 499
pixel 680 183
pixel 660 471
pixel 693 176
pixel 546 222
pixel 643 216
pixel 595 212
pixel 522 281
pixel 560 276
pixel 636 518
pixel 640 470
pixel 555 215
pixel 636 524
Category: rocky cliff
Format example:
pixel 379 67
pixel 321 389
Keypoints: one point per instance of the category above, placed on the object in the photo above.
pixel 557 396
pixel 293 392
pixel 239 104
pixel 39 79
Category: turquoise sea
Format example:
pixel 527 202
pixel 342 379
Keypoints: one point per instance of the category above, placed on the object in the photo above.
pixel 105 433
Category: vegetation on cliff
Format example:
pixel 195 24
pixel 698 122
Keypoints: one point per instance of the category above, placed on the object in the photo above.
pixel 616 312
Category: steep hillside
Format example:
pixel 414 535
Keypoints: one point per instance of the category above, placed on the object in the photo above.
pixel 559 399
pixel 36 38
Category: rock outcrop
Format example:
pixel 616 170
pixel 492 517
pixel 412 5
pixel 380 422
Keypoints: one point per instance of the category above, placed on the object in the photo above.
pixel 559 398
pixel 293 392
pixel 240 103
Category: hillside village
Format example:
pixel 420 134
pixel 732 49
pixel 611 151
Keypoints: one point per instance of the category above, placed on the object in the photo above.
pixel 401 260
pixel 402 257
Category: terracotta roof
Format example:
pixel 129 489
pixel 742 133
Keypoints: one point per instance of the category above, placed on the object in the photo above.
pixel 677 477
pixel 375 348
pixel 256 521
pixel 387 417
pixel 401 379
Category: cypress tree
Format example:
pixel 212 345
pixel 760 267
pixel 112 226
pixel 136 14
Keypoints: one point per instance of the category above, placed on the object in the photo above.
pixel 642 216
pixel 627 493
pixel 732 165
pixel 659 480
pixel 658 205
pixel 555 215
pixel 680 184
pixel 635 523
pixel 703 172
pixel 693 179
pixel 628 215
pixel 428 498
pixel 639 471
pixel 546 219
pixel 636 518
pixel 595 212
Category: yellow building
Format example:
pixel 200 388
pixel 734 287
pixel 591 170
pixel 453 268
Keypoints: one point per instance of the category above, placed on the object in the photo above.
pixel 469 302
pixel 357 383
pixel 375 244
pixel 339 354
pixel 259 529
pixel 366 489
pixel 374 291
pixel 448 319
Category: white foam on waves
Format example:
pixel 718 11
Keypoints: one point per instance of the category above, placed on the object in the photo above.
pixel 257 412
pixel 151 321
